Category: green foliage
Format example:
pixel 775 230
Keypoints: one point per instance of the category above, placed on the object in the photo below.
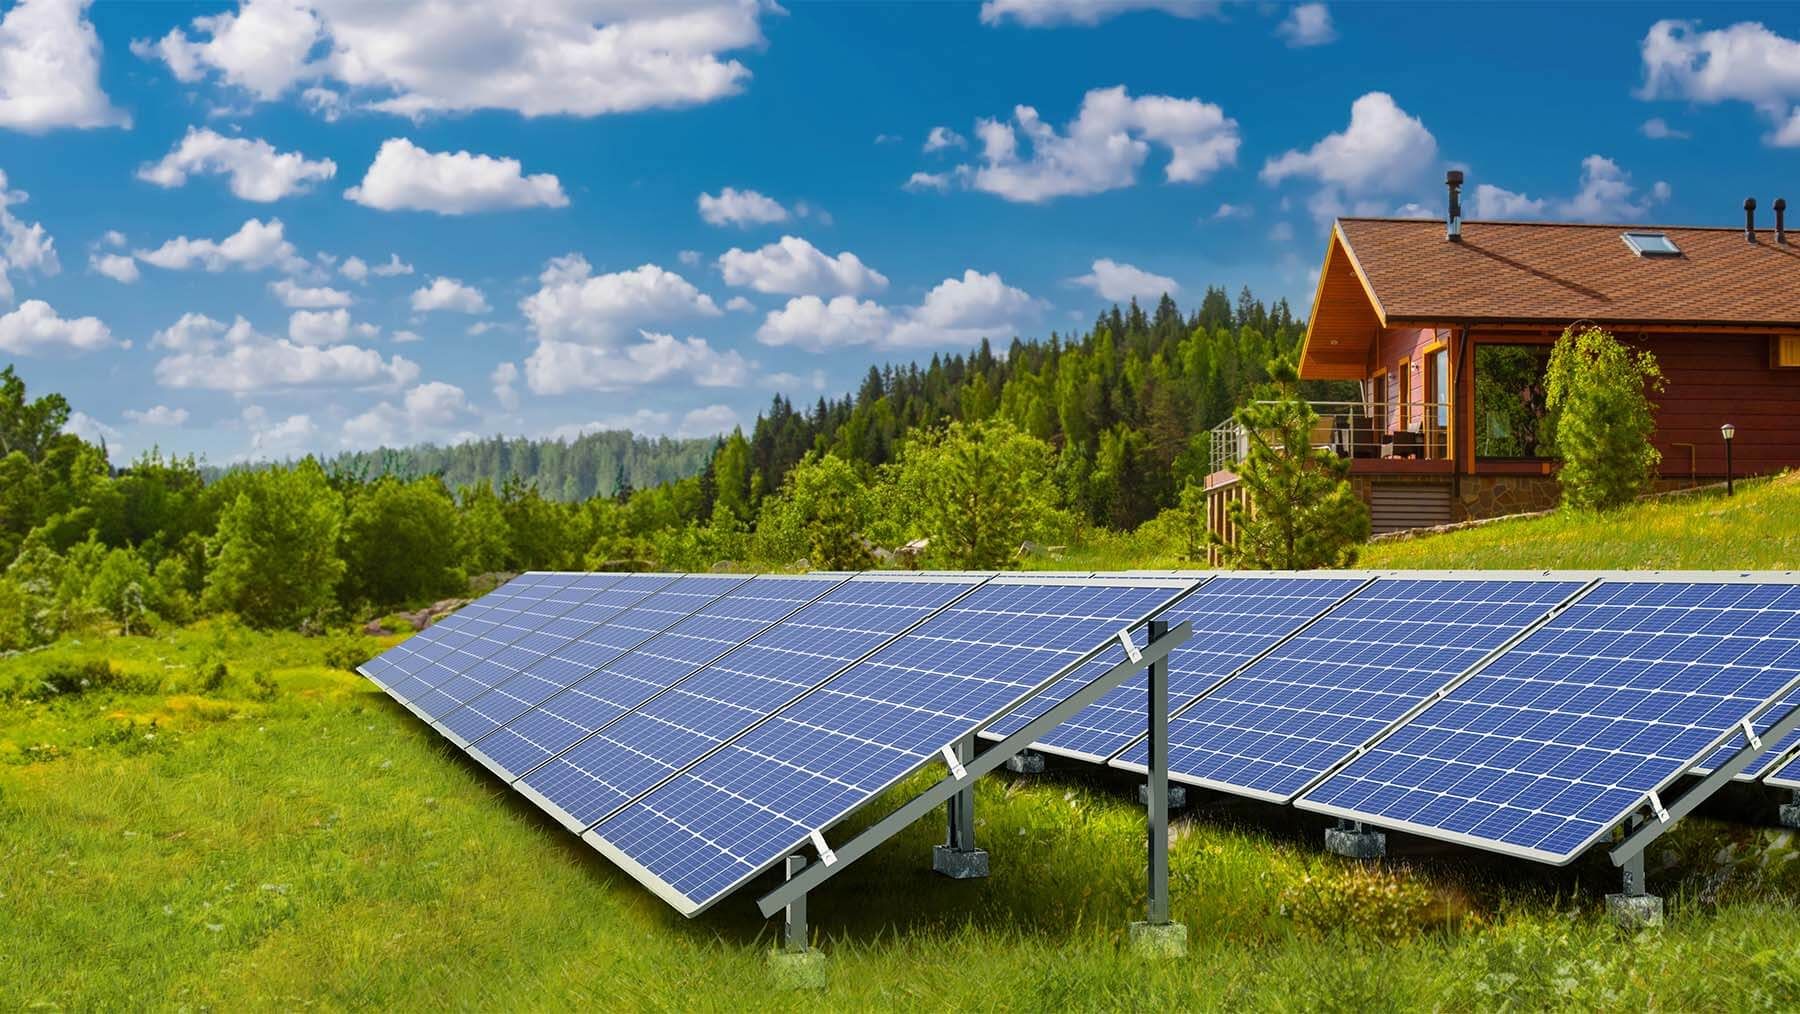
pixel 824 512
pixel 1598 394
pixel 1371 902
pixel 275 555
pixel 1300 512
pixel 28 427
pixel 401 542
pixel 121 587
pixel 346 651
pixel 977 490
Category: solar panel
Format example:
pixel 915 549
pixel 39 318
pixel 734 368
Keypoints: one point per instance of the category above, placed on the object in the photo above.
pixel 586 611
pixel 506 614
pixel 645 651
pixel 1556 741
pixel 1298 712
pixel 423 648
pixel 1236 618
pixel 755 799
pixel 1777 750
pixel 1788 775
pixel 665 734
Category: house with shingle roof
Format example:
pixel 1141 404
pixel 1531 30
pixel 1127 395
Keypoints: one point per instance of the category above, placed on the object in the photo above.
pixel 1443 328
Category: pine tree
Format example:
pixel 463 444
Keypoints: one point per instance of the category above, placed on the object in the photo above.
pixel 1598 393
pixel 1301 512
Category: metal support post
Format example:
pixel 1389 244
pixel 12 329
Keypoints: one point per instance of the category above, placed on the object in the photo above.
pixel 1156 935
pixel 795 965
pixel 1789 814
pixel 958 858
pixel 1632 908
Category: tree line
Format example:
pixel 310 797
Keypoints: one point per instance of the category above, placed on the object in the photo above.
pixel 971 455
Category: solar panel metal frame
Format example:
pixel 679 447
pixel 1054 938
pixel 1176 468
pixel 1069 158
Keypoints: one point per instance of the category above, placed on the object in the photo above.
pixel 582 828
pixel 471 747
pixel 1376 577
pixel 1598 578
pixel 685 906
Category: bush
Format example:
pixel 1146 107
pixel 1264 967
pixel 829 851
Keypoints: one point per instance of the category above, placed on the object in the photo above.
pixel 275 552
pixel 1598 393
pixel 1361 901
pixel 66 678
pixel 347 651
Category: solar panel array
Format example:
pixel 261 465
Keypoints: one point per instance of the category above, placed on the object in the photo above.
pixel 1540 752
pixel 698 728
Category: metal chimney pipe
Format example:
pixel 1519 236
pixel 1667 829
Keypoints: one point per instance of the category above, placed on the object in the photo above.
pixel 1750 219
pixel 1781 220
pixel 1453 221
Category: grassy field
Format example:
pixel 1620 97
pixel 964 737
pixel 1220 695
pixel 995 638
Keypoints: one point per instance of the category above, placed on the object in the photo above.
pixel 220 819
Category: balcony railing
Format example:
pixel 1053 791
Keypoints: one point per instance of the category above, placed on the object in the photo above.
pixel 1417 429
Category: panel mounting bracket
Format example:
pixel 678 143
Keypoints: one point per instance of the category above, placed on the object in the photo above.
pixel 1639 837
pixel 812 876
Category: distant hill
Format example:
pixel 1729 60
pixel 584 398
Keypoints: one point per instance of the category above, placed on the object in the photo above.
pixel 575 469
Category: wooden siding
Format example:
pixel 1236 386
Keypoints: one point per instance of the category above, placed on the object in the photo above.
pixel 1715 379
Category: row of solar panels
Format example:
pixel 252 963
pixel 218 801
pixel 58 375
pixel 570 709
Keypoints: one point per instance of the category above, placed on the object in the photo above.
pixel 699 728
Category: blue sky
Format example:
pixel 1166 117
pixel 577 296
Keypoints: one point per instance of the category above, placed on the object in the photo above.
pixel 263 229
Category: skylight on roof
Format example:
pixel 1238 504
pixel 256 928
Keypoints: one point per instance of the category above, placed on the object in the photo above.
pixel 1651 244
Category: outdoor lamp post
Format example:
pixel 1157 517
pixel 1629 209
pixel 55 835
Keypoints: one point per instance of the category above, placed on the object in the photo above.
pixel 1728 431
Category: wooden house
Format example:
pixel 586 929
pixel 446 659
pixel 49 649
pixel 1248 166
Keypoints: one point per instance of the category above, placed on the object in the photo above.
pixel 1445 326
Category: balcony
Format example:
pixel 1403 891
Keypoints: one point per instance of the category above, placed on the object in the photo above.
pixel 1398 437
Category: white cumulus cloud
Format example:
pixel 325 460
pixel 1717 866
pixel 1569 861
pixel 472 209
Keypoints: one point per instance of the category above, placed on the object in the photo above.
pixel 405 176
pixel 1101 149
pixel 742 208
pixel 207 355
pixel 1605 194
pixel 319 327
pixel 50 69
pixel 794 267
pixel 558 367
pixel 574 304
pixel 256 245
pixel 158 415
pixel 257 171
pixel 117 267
pixel 1043 13
pixel 943 137
pixel 1384 150
pixel 35 327
pixel 419 57
pixel 1307 25
pixel 443 293
pixel 1118 282
pixel 300 297
pixel 707 421
pixel 1744 62
pixel 957 311
pixel 505 379
pixel 23 247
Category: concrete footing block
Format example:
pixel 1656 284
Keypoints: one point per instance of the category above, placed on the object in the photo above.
pixel 1026 762
pixel 1159 939
pixel 797 970
pixel 1355 843
pixel 1177 796
pixel 1790 815
pixel 1635 911
pixel 959 864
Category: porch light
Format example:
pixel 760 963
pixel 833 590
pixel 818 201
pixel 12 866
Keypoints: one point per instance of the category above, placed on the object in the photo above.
pixel 1728 431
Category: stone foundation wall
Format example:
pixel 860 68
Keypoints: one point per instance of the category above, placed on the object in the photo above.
pixel 1492 496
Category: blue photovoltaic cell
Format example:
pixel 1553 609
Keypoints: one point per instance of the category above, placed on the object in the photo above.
pixel 551 650
pixel 1308 705
pixel 1775 752
pixel 585 604
pixel 509 621
pixel 1560 738
pixel 751 802
pixel 664 735
pixel 423 648
pixel 1235 618
pixel 1788 776
pixel 550 702
pixel 444 649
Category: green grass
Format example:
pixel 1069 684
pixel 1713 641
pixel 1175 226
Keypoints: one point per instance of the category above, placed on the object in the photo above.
pixel 287 836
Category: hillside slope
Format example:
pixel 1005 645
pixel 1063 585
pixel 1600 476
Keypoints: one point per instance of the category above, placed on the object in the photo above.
pixel 1758 529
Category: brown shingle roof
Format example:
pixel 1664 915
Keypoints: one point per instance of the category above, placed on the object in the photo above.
pixel 1557 273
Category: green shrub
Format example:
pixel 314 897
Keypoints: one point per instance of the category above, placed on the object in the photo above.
pixel 1598 393
pixel 347 651
pixel 1362 901
pixel 65 678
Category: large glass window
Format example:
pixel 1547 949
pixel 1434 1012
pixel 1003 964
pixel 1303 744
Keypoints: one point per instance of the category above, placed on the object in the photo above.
pixel 1510 419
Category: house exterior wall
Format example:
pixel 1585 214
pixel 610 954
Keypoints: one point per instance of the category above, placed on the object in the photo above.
pixel 1715 379
pixel 1405 384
